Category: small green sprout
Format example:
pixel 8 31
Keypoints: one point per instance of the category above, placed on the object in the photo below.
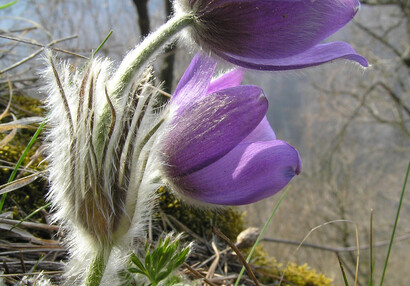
pixel 160 262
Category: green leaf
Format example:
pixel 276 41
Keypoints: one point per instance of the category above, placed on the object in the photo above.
pixel 162 275
pixel 137 262
pixel 181 258
pixel 135 270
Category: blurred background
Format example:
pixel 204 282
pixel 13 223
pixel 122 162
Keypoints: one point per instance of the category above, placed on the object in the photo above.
pixel 351 126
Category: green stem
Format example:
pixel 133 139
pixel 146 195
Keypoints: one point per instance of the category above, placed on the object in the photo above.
pixel 97 266
pixel 396 221
pixel 144 51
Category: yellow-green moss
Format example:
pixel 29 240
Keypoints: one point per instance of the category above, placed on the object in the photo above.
pixel 269 271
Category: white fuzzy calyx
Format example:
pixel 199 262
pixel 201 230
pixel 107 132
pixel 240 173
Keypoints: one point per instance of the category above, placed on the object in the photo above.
pixel 99 151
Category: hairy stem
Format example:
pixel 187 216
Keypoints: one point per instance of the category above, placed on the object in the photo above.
pixel 97 266
pixel 143 52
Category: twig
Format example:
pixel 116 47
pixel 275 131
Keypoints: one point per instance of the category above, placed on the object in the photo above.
pixel 18 30
pixel 198 275
pixel 33 55
pixel 7 110
pixel 39 245
pixel 19 80
pixel 186 229
pixel 48 249
pixel 335 249
pixel 34 43
pixel 23 265
pixel 238 252
pixel 34 273
pixel 379 38
pixel 38 51
pixel 213 256
pixel 211 270
pixel 6 268
pixel 30 225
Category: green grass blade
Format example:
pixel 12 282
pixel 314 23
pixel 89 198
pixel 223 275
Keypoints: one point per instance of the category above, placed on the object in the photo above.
pixel 371 250
pixel 8 4
pixel 342 269
pixel 395 224
pixel 102 44
pixel 20 161
pixel 261 234
pixel 29 216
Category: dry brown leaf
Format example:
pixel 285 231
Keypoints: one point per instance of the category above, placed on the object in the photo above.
pixel 19 183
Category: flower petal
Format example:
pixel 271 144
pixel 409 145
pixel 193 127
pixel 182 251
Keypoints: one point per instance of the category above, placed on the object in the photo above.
pixel 317 55
pixel 247 174
pixel 195 81
pixel 262 132
pixel 208 129
pixel 270 29
pixel 230 79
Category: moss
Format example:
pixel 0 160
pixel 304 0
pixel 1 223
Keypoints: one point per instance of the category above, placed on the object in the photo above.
pixel 27 106
pixel 200 221
pixel 304 275
pixel 270 271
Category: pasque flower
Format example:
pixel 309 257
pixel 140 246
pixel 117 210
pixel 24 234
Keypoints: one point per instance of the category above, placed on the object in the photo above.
pixel 217 146
pixel 100 176
pixel 271 34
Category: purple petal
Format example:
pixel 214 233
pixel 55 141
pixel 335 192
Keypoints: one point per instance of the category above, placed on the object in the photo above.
pixel 317 55
pixel 194 82
pixel 263 132
pixel 211 127
pixel 270 29
pixel 230 79
pixel 247 174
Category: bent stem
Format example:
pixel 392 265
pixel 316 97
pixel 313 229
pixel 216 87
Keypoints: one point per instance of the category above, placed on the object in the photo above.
pixel 144 51
pixel 97 266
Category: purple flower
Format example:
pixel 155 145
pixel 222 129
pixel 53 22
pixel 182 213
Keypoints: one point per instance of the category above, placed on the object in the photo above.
pixel 272 34
pixel 218 146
